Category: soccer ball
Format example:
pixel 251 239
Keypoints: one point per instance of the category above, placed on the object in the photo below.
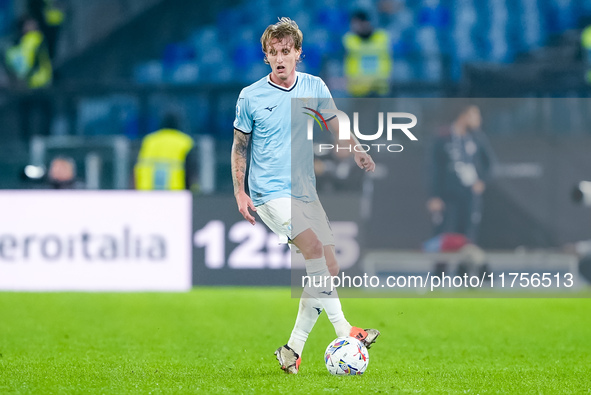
pixel 346 356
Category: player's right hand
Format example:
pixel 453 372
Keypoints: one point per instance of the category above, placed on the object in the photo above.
pixel 244 203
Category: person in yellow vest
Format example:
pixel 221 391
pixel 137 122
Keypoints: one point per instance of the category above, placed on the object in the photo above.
pixel 166 160
pixel 28 60
pixel 29 66
pixel 368 58
pixel 586 48
pixel 50 15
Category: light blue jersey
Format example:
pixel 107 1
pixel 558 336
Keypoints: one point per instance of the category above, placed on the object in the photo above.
pixel 265 110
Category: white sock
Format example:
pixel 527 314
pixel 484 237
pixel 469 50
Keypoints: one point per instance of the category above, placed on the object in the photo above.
pixel 308 313
pixel 328 296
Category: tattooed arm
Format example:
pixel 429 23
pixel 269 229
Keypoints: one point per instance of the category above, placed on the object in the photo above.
pixel 239 153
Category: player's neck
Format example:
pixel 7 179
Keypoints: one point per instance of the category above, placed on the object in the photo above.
pixel 287 83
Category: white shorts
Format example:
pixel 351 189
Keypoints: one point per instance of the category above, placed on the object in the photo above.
pixel 290 217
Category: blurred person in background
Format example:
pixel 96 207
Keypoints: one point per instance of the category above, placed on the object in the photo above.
pixel 50 16
pixel 368 58
pixel 62 174
pixel 167 159
pixel 581 194
pixel 28 60
pixel 29 66
pixel 586 51
pixel 461 163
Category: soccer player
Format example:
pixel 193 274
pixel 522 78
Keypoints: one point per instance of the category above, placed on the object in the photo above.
pixel 263 119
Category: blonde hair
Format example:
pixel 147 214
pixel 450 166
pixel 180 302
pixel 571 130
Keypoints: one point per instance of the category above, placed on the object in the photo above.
pixel 282 29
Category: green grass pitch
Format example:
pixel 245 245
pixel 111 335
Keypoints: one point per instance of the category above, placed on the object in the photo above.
pixel 222 340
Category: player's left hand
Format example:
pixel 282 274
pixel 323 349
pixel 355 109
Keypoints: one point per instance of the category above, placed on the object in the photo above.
pixel 364 161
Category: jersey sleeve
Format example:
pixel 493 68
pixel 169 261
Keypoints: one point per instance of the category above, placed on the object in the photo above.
pixel 325 100
pixel 243 120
